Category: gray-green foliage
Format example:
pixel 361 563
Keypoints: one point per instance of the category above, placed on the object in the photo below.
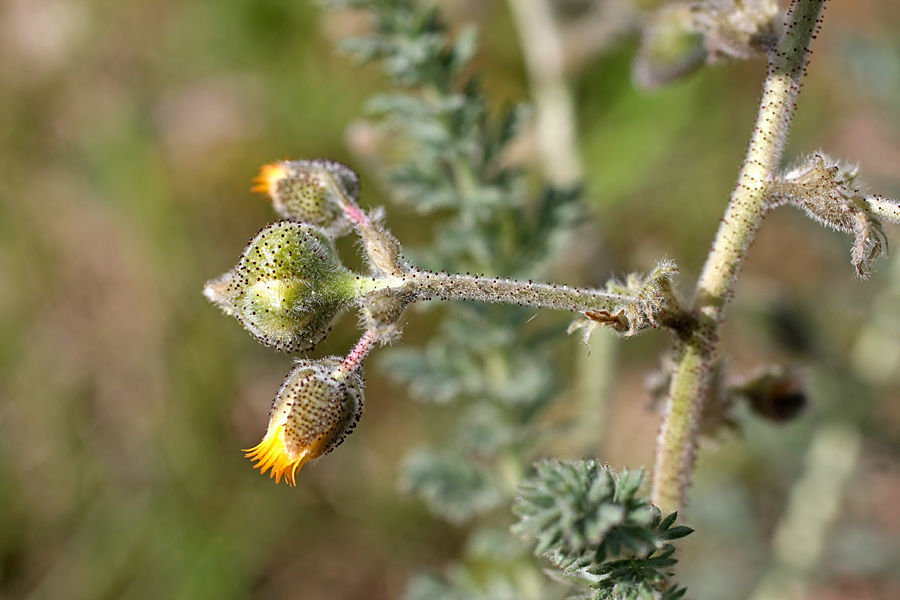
pixel 450 146
pixel 592 525
pixel 453 488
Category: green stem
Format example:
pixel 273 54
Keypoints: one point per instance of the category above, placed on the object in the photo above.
pixel 676 446
pixel 427 285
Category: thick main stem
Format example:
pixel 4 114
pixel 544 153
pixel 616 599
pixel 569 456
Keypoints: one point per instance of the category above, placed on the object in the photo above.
pixel 677 443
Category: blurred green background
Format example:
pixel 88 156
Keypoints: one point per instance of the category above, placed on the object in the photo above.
pixel 129 132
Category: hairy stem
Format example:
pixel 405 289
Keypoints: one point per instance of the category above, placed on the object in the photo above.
pixel 354 360
pixel 425 285
pixel 677 443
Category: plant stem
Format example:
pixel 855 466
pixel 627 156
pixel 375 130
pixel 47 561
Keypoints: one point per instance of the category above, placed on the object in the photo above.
pixel 354 360
pixel 677 443
pixel 542 47
pixel 427 285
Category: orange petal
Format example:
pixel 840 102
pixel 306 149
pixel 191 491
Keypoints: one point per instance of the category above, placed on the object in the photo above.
pixel 269 176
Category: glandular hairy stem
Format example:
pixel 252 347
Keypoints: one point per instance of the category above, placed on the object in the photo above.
pixel 677 442
pixel 509 291
pixel 628 307
pixel 428 285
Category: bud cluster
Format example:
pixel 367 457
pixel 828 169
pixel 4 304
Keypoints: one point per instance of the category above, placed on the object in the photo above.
pixel 289 286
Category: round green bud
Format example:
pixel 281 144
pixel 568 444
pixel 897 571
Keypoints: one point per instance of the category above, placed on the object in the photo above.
pixel 288 287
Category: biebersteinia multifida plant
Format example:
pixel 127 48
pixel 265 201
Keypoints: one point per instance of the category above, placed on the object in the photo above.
pixel 290 285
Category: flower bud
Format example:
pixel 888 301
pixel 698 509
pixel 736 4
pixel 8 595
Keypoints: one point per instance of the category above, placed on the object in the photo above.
pixel 681 36
pixel 288 287
pixel 737 29
pixel 317 406
pixel 775 393
pixel 670 48
pixel 311 191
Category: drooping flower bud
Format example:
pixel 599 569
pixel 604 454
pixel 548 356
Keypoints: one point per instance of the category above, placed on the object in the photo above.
pixel 317 406
pixel 670 47
pixel 288 287
pixel 681 36
pixel 315 192
pixel 774 392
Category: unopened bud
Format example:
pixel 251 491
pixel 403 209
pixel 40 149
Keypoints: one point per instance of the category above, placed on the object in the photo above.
pixel 315 192
pixel 317 406
pixel 288 287
pixel 775 393
pixel 670 47
pixel 682 36
pixel 738 29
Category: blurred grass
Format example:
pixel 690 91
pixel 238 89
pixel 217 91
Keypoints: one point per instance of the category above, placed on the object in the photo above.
pixel 128 136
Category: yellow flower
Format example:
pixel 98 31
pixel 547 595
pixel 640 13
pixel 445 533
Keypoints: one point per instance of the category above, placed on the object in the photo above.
pixel 317 406
pixel 315 192
pixel 269 176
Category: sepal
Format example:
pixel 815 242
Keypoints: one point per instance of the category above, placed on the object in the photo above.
pixel 828 191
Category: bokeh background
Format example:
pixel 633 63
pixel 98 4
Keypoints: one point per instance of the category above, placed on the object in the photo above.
pixel 129 132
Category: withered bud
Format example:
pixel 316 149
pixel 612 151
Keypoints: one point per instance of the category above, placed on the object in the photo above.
pixel 775 393
pixel 829 192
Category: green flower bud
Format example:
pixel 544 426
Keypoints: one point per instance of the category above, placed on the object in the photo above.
pixel 315 192
pixel 317 406
pixel 288 287
pixel 670 48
